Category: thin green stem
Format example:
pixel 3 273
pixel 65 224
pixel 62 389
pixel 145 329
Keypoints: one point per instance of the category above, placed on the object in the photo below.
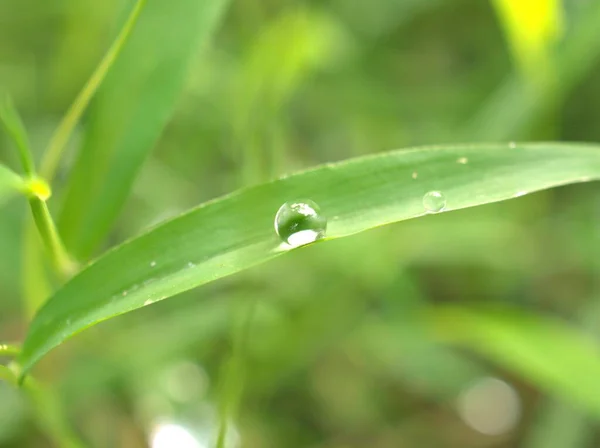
pixel 9 350
pixel 16 130
pixel 233 380
pixel 50 415
pixel 47 409
pixel 64 130
pixel 34 282
pixel 50 237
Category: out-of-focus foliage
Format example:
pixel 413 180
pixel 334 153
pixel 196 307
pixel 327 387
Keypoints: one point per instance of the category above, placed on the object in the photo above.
pixel 341 351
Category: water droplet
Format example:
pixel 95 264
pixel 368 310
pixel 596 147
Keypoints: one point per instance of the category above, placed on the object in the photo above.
pixel 190 264
pixel 462 160
pixel 300 222
pixel 124 293
pixel 434 202
pixel 512 145
pixel 152 264
pixel 415 175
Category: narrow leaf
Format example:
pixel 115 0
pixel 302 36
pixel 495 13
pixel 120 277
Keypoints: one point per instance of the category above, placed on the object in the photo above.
pixel 235 232
pixel 130 112
pixel 11 121
pixel 550 354
pixel 67 125
pixel 10 183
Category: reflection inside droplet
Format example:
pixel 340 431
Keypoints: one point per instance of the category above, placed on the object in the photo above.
pixel 434 202
pixel 300 222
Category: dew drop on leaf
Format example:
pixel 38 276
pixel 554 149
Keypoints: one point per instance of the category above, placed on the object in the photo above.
pixel 434 202
pixel 300 222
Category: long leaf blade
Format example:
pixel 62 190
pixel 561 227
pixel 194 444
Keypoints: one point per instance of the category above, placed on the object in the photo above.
pixel 555 357
pixel 10 183
pixel 232 233
pixel 130 112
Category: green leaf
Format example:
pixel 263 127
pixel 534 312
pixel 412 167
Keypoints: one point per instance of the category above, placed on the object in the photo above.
pixel 10 183
pixel 550 354
pixel 513 107
pixel 131 109
pixel 235 232
pixel 10 119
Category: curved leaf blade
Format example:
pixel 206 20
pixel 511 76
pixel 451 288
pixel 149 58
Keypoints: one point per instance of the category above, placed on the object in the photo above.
pixel 131 109
pixel 235 232
pixel 10 183
pixel 529 345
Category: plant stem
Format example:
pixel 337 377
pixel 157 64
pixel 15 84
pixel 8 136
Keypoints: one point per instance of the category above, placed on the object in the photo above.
pixel 47 409
pixel 64 130
pixel 50 415
pixel 50 237
pixel 233 379
pixel 9 350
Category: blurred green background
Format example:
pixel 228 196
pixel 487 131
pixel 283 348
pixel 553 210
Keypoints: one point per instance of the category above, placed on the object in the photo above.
pixel 342 351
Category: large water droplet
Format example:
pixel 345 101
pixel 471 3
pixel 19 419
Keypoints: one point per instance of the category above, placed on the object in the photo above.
pixel 300 222
pixel 434 202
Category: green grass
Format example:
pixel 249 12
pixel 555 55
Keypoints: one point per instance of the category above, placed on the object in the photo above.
pixel 172 158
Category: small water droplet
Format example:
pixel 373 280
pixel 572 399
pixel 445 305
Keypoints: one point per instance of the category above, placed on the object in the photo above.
pixel 124 293
pixel 462 160
pixel 512 145
pixel 434 202
pixel 152 264
pixel 190 264
pixel 415 175
pixel 300 222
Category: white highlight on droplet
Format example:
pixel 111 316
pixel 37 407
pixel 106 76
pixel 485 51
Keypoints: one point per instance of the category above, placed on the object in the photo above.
pixel 148 302
pixel 512 145
pixel 518 194
pixel 152 264
pixel 303 237
pixel 462 160
pixel 490 406
pixel 415 175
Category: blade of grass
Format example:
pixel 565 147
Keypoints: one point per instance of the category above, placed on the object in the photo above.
pixel 9 350
pixel 131 110
pixel 64 130
pixel 47 409
pixel 529 345
pixel 532 28
pixel 16 130
pixel 235 232
pixel 10 183
pixel 512 109
pixel 36 286
pixel 281 56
